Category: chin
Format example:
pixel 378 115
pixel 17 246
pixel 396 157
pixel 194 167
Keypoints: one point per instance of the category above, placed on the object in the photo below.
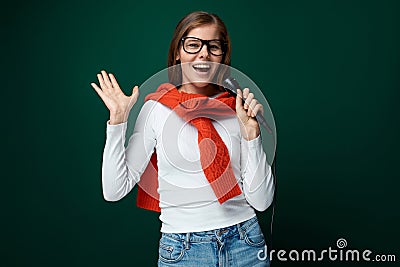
pixel 200 84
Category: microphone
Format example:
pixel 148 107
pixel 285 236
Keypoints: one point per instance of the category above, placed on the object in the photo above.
pixel 230 85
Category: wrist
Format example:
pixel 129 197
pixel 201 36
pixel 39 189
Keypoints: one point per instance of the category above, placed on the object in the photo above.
pixel 117 118
pixel 250 133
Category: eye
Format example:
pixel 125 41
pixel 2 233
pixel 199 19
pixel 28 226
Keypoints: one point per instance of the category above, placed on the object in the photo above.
pixel 216 47
pixel 193 45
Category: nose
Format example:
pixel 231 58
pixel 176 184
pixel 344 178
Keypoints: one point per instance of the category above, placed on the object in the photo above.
pixel 204 52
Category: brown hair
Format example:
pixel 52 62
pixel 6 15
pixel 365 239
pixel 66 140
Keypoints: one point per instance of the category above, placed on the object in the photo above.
pixel 185 25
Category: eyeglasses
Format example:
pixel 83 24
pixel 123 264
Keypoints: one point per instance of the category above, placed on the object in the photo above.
pixel 193 45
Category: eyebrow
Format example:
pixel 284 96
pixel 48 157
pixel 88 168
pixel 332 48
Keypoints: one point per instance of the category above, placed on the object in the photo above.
pixel 219 39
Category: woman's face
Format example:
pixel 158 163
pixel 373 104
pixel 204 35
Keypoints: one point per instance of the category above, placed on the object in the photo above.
pixel 199 69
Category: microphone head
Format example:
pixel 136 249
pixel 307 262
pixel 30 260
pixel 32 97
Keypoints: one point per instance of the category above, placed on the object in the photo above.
pixel 231 85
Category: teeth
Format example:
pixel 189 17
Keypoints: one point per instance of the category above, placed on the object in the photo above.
pixel 202 66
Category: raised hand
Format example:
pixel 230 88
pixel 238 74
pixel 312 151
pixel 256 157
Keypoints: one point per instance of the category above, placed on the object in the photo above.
pixel 115 100
pixel 246 113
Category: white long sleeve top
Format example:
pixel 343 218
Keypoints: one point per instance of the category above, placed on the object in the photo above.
pixel 187 201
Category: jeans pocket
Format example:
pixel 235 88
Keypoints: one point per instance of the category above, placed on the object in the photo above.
pixel 170 250
pixel 254 236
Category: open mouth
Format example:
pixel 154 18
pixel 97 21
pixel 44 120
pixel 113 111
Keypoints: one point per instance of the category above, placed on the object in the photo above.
pixel 202 67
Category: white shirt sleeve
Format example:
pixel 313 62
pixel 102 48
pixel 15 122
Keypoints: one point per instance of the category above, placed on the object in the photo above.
pixel 122 168
pixel 258 183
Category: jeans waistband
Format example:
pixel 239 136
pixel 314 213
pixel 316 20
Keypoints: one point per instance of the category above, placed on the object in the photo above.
pixel 211 235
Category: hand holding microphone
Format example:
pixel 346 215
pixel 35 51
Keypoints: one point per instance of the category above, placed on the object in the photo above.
pixel 254 109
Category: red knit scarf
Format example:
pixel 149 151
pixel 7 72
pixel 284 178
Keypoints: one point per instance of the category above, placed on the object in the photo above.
pixel 214 157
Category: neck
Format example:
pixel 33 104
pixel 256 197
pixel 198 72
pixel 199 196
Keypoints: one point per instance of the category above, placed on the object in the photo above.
pixel 209 90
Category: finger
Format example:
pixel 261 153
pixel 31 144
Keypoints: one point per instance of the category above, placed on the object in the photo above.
pixel 105 88
pixel 97 89
pixel 246 92
pixel 101 82
pixel 245 96
pixel 106 79
pixel 114 81
pixel 249 98
pixel 258 109
pixel 252 105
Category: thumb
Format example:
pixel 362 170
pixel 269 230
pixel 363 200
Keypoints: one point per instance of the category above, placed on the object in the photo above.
pixel 239 97
pixel 135 92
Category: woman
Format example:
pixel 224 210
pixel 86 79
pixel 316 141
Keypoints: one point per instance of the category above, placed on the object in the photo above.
pixel 209 190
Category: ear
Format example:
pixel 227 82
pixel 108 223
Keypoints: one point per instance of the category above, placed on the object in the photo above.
pixel 177 56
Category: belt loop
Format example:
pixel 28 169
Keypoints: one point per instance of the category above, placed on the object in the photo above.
pixel 240 230
pixel 187 241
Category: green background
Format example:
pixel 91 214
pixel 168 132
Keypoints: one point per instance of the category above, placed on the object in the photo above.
pixel 329 69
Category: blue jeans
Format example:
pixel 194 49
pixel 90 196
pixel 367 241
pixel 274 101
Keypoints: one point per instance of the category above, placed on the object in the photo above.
pixel 234 246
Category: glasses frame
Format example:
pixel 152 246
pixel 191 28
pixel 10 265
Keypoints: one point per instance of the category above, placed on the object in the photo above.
pixel 204 42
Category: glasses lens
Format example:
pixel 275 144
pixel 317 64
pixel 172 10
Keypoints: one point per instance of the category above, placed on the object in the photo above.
pixel 192 45
pixel 215 47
